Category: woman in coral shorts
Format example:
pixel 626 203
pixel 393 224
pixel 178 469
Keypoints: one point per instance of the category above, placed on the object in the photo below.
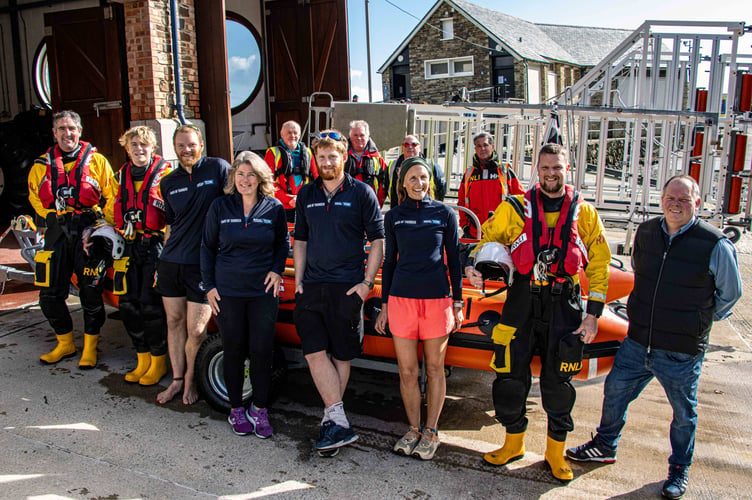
pixel 417 303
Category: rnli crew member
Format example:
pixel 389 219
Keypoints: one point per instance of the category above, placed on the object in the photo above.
pixel 334 215
pixel 416 301
pixel 188 191
pixel 139 215
pixel 68 185
pixel 364 163
pixel 243 255
pixel 293 166
pixel 686 277
pixel 411 149
pixel 554 235
pixel 485 184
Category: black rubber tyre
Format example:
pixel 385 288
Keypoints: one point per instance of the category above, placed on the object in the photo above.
pixel 211 380
pixel 732 233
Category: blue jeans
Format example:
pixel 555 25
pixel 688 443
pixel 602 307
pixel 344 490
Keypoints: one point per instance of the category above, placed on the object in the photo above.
pixel 633 369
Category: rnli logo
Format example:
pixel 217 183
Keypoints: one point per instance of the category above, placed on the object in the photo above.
pixel 570 367
pixel 91 271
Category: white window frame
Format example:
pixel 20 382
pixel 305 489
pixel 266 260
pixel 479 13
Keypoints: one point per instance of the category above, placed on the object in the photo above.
pixel 450 66
pixel 447 28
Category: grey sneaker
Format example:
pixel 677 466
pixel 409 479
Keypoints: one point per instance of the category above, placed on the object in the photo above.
pixel 408 442
pixel 426 448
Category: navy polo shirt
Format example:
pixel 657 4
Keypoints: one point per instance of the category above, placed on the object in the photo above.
pixel 417 235
pixel 238 252
pixel 335 230
pixel 187 199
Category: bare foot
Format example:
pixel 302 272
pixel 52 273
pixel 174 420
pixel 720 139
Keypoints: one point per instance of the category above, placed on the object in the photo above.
pixel 172 390
pixel 190 395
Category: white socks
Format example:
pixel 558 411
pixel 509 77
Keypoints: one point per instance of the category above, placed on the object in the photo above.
pixel 336 412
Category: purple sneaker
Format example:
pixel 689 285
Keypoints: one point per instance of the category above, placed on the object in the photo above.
pixel 239 422
pixel 260 421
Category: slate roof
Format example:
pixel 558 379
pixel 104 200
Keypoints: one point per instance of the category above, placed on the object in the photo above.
pixel 588 45
pixel 578 45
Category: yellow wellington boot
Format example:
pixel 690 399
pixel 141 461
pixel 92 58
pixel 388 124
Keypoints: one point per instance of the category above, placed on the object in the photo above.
pixel 157 370
pixel 555 459
pixel 89 354
pixel 63 349
pixel 144 361
pixel 513 449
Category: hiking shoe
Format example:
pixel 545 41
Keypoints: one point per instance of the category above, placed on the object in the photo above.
pixel 408 442
pixel 426 448
pixel 239 422
pixel 260 422
pixel 591 452
pixel 333 436
pixel 676 484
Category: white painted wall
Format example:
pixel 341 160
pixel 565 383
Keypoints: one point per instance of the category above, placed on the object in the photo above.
pixel 533 84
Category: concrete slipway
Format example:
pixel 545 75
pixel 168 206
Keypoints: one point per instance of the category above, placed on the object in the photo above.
pixel 66 433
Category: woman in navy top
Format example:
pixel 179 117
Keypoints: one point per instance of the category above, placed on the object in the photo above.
pixel 417 304
pixel 243 252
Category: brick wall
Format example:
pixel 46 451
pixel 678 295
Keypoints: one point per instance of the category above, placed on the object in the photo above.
pixel 150 70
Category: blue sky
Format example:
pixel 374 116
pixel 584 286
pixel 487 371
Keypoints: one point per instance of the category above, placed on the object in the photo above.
pixel 389 25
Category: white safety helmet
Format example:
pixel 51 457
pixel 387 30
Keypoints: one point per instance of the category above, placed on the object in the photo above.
pixel 494 262
pixel 115 241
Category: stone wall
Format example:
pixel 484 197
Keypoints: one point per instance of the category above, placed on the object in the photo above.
pixel 427 45
pixel 150 68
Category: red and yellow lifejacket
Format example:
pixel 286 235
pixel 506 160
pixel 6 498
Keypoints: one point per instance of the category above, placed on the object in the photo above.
pixel 77 187
pixel 536 235
pixel 145 206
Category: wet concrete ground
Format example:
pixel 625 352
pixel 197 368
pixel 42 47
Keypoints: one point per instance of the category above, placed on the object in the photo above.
pixel 67 433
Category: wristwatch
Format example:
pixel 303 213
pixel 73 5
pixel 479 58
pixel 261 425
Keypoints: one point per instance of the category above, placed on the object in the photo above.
pixel 458 303
pixel 367 283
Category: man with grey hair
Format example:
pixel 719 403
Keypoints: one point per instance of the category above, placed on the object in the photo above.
pixel 485 184
pixel 68 186
pixel 686 277
pixel 292 164
pixel 364 162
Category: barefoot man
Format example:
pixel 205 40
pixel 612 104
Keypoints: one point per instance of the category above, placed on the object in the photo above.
pixel 187 191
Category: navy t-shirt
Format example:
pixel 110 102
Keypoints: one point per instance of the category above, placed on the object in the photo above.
pixel 187 199
pixel 417 235
pixel 238 252
pixel 335 230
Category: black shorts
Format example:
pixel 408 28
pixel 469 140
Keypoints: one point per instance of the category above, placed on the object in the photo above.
pixel 327 319
pixel 180 280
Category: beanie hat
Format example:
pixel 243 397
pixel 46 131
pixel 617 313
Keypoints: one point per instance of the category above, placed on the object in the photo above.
pixel 409 163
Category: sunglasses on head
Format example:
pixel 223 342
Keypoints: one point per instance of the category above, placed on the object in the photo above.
pixel 331 135
pixel 411 144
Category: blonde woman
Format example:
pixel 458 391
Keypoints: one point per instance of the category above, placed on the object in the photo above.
pixel 243 254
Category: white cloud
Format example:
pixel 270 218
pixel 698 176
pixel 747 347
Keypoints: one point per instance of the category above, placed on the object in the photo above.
pixel 356 73
pixel 241 63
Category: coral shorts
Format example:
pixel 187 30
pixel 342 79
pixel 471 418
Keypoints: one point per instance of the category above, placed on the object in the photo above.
pixel 420 319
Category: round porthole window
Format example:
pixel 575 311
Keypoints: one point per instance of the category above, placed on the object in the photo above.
pixel 41 75
pixel 243 61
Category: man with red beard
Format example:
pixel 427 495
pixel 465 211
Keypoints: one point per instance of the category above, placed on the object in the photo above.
pixel 553 233
pixel 334 215
pixel 187 191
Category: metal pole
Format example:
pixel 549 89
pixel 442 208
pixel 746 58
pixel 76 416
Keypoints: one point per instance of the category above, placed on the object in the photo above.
pixel 368 53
